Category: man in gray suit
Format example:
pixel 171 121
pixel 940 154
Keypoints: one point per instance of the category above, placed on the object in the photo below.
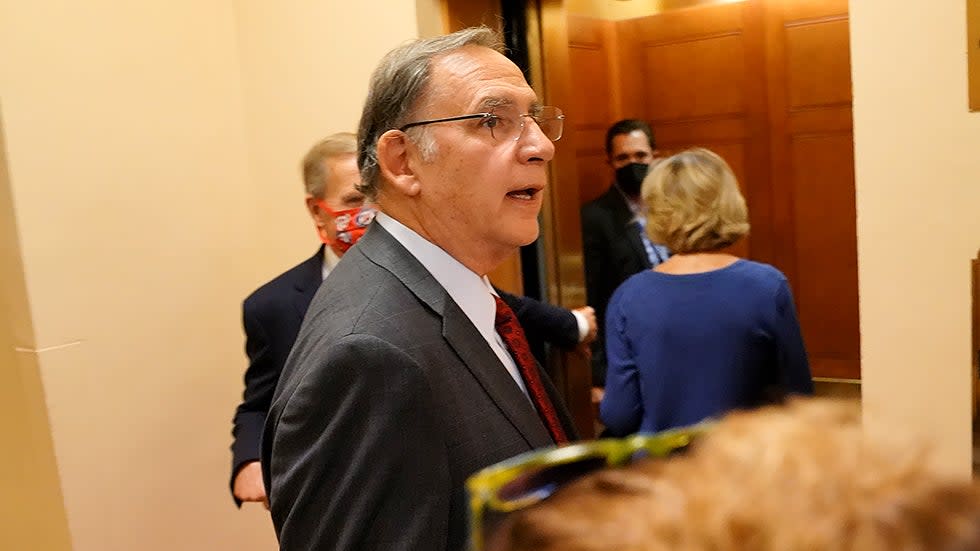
pixel 408 373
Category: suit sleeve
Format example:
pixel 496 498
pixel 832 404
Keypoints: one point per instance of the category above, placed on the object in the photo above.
pixel 356 459
pixel 544 321
pixel 594 259
pixel 791 359
pixel 621 409
pixel 267 351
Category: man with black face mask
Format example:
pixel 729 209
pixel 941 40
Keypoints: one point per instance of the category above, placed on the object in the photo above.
pixel 614 240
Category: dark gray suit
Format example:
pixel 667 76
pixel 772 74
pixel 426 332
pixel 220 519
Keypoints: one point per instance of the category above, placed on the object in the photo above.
pixel 388 401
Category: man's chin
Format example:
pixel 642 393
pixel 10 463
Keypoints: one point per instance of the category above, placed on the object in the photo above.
pixel 529 235
pixel 518 238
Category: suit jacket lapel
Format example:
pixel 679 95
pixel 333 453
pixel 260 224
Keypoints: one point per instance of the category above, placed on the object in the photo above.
pixel 460 333
pixel 308 280
pixel 624 219
pixel 472 348
pixel 633 230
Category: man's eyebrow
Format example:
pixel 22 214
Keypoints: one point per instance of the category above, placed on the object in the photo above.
pixel 490 103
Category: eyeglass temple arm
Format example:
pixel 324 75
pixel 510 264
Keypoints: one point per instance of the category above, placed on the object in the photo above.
pixel 446 119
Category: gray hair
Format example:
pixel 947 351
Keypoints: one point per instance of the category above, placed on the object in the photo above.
pixel 314 172
pixel 396 86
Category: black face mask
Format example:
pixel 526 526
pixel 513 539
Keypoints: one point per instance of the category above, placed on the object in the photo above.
pixel 629 178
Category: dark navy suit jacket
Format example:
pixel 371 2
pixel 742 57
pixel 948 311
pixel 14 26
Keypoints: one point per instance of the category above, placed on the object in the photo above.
pixel 272 316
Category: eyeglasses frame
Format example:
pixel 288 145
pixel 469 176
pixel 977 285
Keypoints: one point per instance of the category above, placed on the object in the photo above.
pixel 487 115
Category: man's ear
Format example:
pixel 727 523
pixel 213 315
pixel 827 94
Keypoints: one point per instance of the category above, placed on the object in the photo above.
pixel 320 217
pixel 317 213
pixel 394 155
pixel 314 209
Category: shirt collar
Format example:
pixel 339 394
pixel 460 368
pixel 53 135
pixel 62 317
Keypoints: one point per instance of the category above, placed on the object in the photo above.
pixel 470 291
pixel 636 206
pixel 330 259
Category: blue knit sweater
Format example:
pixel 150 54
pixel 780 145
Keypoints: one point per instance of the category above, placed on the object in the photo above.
pixel 685 347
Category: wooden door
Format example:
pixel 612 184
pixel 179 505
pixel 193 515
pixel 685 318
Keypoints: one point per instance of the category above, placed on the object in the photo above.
pixel 594 99
pixel 812 167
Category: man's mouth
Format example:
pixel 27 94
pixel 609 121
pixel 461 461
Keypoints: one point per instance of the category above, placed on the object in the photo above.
pixel 525 194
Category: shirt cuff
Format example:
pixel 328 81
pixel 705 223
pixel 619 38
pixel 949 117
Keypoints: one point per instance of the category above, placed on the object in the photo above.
pixel 583 325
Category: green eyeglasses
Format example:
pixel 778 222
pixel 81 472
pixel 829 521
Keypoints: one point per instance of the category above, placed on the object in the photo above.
pixel 529 478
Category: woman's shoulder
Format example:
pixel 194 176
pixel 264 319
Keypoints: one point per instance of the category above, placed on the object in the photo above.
pixel 638 285
pixel 760 269
pixel 636 281
pixel 758 276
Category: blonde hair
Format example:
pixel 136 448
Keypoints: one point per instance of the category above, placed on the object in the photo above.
pixel 314 170
pixel 693 203
pixel 802 477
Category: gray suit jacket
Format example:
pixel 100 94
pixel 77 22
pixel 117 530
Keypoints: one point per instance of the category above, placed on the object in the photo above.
pixel 388 401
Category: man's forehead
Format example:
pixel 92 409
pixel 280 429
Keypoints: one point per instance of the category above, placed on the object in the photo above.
pixel 472 58
pixel 493 79
pixel 632 141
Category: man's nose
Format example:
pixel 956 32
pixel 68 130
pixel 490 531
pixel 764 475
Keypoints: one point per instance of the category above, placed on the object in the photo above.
pixel 534 144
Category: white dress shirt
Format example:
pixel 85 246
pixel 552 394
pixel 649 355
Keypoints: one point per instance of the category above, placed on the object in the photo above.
pixel 330 259
pixel 471 292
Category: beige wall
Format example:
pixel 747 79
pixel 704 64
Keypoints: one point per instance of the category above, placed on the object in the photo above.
pixel 152 151
pixel 918 203
pixel 28 472
pixel 305 68
pixel 430 18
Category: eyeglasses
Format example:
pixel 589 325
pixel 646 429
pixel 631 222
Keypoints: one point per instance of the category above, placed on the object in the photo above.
pixel 506 124
pixel 529 478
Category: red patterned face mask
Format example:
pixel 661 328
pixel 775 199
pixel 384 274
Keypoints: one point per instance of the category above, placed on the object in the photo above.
pixel 351 225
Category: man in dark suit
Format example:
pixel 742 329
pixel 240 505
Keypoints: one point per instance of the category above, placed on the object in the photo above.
pixel 272 314
pixel 614 242
pixel 408 374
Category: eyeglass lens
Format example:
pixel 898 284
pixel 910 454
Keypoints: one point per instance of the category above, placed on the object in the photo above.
pixel 545 480
pixel 507 124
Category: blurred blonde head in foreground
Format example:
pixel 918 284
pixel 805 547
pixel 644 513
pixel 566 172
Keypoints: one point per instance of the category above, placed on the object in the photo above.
pixel 800 477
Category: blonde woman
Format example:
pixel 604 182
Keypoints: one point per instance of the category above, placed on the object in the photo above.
pixel 704 332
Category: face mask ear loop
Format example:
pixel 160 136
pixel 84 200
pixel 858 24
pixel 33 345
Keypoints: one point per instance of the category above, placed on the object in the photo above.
pixel 320 232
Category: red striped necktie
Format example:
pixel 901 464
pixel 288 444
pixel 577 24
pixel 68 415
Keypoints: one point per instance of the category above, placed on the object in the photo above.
pixel 513 335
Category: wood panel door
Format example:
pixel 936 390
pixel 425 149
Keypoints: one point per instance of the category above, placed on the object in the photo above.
pixel 812 166
pixel 595 100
